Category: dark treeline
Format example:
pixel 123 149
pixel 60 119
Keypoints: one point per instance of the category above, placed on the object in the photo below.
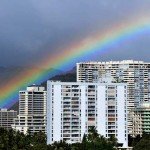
pixel 12 140
pixel 140 143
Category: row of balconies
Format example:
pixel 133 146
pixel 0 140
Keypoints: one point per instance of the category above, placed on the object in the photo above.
pixel 71 127
pixel 71 120
pixel 71 135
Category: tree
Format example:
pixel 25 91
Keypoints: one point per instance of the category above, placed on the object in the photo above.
pixel 94 141
pixel 14 140
pixel 144 143
pixel 113 140
pixel 62 145
pixel 39 141
pixel 4 139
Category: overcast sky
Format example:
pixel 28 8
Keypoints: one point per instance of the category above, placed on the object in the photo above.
pixel 32 29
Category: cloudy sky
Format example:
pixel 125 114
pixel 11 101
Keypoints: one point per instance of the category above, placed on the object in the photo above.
pixel 33 29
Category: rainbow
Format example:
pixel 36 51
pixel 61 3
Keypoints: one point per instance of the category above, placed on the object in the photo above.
pixel 97 43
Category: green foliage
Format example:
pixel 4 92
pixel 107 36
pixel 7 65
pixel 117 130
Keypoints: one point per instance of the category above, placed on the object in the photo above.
pixel 62 145
pixel 38 141
pixel 94 141
pixel 12 140
pixel 143 144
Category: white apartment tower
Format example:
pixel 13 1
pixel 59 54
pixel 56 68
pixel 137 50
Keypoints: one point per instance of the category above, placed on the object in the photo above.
pixel 32 110
pixel 72 108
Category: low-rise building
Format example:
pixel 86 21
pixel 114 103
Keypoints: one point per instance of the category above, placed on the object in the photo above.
pixel 7 118
pixel 141 119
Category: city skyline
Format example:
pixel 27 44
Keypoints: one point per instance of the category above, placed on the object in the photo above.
pixel 75 74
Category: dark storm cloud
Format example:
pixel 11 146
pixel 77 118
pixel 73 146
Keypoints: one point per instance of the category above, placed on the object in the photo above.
pixel 30 29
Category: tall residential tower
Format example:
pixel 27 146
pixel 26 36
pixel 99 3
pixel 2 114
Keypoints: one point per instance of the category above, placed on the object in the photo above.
pixel 72 108
pixel 135 73
pixel 32 110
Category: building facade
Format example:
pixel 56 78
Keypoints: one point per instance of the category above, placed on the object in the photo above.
pixel 141 119
pixel 72 108
pixel 7 118
pixel 32 110
pixel 135 73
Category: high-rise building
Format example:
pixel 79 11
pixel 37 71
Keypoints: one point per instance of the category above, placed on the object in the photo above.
pixel 135 73
pixel 72 108
pixel 32 110
pixel 7 118
pixel 141 119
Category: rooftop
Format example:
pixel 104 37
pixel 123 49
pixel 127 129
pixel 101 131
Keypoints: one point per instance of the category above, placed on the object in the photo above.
pixel 115 62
